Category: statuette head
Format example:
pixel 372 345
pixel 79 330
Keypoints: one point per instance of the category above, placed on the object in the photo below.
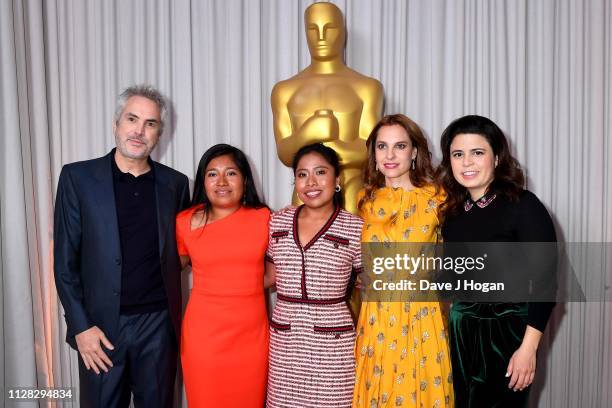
pixel 325 31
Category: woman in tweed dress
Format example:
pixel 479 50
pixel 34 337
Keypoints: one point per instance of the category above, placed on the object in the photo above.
pixel 313 249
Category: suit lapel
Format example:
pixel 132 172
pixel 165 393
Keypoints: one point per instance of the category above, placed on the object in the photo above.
pixel 107 206
pixel 105 198
pixel 164 194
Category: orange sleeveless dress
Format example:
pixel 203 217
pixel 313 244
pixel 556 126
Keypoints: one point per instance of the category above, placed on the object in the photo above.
pixel 224 339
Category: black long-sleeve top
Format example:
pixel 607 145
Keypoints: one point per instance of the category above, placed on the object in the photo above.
pixel 497 219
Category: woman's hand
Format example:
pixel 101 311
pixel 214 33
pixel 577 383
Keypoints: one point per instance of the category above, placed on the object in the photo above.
pixel 269 275
pixel 358 282
pixel 184 261
pixel 522 366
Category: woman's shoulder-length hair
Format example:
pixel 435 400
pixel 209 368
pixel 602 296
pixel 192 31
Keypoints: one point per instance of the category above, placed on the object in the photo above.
pixel 508 180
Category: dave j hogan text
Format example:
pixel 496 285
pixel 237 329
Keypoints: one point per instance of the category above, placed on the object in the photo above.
pixel 469 285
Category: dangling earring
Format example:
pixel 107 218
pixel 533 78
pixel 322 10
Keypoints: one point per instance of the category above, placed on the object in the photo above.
pixel 376 166
pixel 338 188
pixel 413 165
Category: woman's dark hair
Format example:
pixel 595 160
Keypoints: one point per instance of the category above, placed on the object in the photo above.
pixel 328 154
pixel 423 171
pixel 508 178
pixel 250 199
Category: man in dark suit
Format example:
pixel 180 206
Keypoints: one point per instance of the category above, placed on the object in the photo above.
pixel 117 269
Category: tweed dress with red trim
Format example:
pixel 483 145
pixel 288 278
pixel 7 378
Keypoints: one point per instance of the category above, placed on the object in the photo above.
pixel 311 332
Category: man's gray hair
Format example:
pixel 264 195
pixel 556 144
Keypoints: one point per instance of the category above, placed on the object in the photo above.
pixel 146 91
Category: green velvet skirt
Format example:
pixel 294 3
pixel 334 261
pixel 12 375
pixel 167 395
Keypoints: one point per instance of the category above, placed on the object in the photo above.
pixel 483 338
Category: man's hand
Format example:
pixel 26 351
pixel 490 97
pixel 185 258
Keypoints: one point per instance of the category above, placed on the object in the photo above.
pixel 88 343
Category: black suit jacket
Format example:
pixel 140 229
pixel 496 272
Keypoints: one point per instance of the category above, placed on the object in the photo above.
pixel 87 252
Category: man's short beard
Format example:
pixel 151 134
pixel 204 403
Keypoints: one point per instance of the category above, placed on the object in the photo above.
pixel 125 153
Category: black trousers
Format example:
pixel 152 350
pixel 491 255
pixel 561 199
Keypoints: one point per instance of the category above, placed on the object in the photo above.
pixel 144 364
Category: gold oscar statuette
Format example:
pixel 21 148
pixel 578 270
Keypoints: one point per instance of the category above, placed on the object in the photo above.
pixel 327 102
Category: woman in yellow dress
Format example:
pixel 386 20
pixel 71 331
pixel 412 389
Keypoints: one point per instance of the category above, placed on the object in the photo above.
pixel 402 354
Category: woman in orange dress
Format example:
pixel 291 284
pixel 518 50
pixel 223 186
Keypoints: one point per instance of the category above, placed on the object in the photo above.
pixel 224 234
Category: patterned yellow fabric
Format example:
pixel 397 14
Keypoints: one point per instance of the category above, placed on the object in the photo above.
pixel 402 354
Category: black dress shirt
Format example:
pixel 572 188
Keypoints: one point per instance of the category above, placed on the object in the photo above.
pixel 142 286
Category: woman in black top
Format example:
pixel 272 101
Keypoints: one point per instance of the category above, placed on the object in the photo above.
pixel 493 345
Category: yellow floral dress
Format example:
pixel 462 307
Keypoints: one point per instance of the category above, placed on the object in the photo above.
pixel 402 353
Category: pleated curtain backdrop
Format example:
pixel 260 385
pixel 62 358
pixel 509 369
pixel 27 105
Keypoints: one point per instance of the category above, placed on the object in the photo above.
pixel 541 69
